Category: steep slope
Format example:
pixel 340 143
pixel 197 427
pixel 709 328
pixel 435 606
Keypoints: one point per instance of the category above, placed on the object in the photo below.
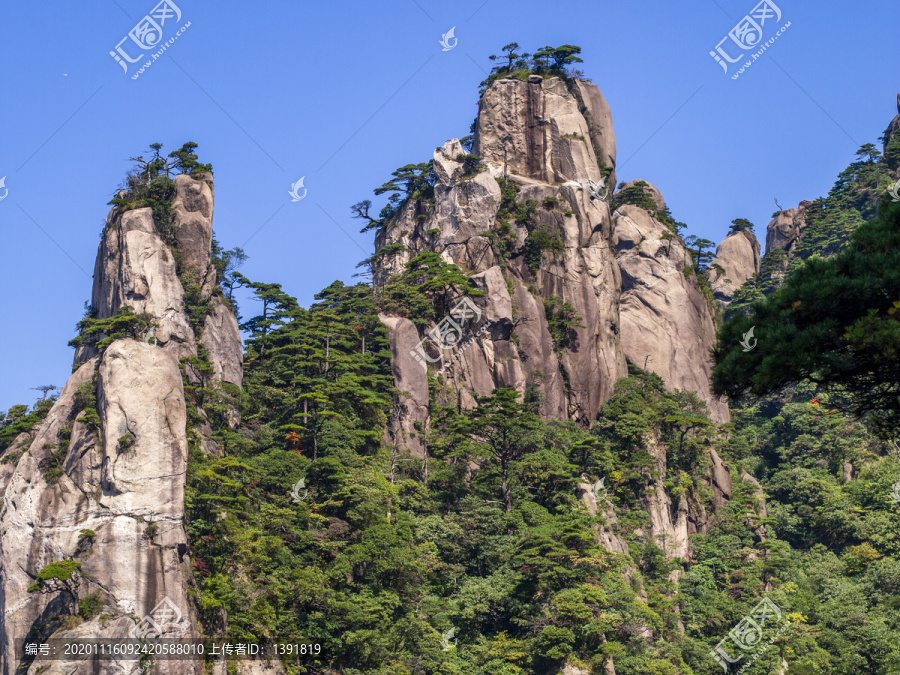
pixel 103 480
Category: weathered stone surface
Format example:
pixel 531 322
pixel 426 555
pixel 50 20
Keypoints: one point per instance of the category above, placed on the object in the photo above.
pixel 785 229
pixel 223 340
pixel 737 259
pixel 598 116
pixel 719 480
pixel 193 206
pixel 584 274
pixel 666 325
pixel 536 130
pixel 135 267
pixel 412 381
pixel 112 486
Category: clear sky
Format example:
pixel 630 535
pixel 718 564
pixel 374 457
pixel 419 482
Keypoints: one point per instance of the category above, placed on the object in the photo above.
pixel 342 93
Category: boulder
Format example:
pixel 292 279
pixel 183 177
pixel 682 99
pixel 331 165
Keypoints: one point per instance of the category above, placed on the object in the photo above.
pixel 785 229
pixel 737 259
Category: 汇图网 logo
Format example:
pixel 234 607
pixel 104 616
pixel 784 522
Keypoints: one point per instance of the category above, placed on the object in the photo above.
pixel 448 335
pixel 748 34
pixel 148 34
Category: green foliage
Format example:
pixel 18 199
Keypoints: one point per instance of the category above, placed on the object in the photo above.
pixel 701 251
pixel 313 525
pixel 472 164
pixel 539 240
pixel 892 152
pixel 53 467
pixel 510 215
pixel 56 576
pixel 426 290
pixel 227 264
pixel 185 161
pixel 19 419
pixel 90 605
pixel 412 182
pixel 149 184
pixel 546 62
pixel 561 322
pixel 636 195
pixel 833 322
pixel 100 333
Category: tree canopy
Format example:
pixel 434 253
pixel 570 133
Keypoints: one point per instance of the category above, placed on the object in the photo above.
pixel 835 322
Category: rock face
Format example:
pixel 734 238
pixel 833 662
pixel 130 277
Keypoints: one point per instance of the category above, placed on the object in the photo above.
pixel 737 259
pixel 547 139
pixel 666 325
pixel 785 229
pixel 102 482
pixel 551 143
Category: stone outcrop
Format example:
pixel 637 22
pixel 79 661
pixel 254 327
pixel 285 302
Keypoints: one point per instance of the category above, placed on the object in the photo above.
pixel 650 191
pixel 102 480
pixel 666 325
pixel 545 137
pixel 786 228
pixel 607 532
pixel 737 259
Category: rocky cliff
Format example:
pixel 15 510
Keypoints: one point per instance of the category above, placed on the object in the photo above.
pixel 667 325
pixel 551 144
pixel 102 482
pixel 737 259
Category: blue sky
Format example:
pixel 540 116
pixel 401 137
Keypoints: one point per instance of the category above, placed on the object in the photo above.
pixel 344 93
